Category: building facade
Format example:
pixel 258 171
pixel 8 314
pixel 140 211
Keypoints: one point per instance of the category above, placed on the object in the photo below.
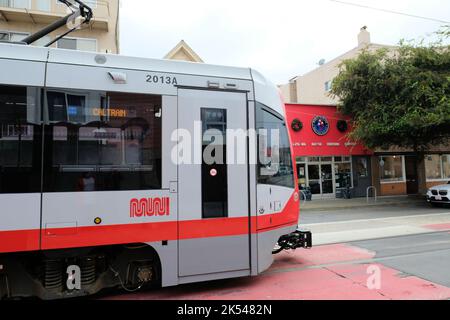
pixel 314 87
pixel 328 162
pixel 396 171
pixel 20 18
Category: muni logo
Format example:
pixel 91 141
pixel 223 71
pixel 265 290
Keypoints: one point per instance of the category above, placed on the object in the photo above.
pixel 149 207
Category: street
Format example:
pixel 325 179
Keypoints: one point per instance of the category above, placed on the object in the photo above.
pixel 381 252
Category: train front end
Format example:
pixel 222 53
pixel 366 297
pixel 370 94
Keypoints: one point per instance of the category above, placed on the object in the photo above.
pixel 278 195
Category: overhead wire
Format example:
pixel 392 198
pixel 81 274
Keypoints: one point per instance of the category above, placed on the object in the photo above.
pixel 389 11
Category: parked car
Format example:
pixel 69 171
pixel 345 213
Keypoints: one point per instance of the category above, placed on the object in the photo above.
pixel 439 195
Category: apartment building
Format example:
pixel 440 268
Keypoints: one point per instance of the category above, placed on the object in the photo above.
pixel 20 18
pixel 314 87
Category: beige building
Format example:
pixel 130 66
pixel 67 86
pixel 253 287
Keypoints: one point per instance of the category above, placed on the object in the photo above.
pixel 20 18
pixel 396 171
pixel 314 87
pixel 183 52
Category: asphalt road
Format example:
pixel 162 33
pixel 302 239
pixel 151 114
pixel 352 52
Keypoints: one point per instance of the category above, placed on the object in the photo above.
pixel 426 256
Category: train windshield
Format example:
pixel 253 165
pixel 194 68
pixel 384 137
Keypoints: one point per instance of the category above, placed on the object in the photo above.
pixel 274 152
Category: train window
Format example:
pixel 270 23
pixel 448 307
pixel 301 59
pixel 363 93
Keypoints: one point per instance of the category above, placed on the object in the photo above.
pixel 102 141
pixel 214 170
pixel 20 139
pixel 274 157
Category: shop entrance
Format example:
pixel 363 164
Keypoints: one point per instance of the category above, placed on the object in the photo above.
pixel 412 181
pixel 321 179
pixel 324 176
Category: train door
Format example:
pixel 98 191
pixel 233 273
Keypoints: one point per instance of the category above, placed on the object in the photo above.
pixel 20 148
pixel 213 183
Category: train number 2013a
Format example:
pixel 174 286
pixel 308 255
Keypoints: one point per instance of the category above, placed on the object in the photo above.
pixel 156 79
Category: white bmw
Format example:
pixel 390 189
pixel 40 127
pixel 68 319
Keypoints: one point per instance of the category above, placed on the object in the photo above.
pixel 439 194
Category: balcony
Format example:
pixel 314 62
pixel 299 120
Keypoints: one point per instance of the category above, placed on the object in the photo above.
pixel 48 11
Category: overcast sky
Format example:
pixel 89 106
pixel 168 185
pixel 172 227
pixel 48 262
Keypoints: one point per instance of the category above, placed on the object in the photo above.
pixel 281 38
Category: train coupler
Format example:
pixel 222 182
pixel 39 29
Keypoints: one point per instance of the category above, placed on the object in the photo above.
pixel 293 241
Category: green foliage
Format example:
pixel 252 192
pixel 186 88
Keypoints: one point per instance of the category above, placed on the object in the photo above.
pixel 399 96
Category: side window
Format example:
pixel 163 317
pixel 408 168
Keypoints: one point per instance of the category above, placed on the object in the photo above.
pixel 20 139
pixel 274 155
pixel 102 141
pixel 214 173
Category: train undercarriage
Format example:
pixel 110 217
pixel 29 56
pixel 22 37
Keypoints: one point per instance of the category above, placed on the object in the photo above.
pixel 62 274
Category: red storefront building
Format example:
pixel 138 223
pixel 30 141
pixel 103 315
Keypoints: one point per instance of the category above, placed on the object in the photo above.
pixel 328 162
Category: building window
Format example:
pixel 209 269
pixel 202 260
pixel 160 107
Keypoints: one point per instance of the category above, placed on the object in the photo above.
pixel 446 165
pixel 91 3
pixel 392 169
pixel 78 44
pixel 43 5
pixel 19 4
pixel 42 42
pixel 343 172
pixel 362 167
pixel 433 167
pixel 328 86
pixel 12 36
pixel 437 167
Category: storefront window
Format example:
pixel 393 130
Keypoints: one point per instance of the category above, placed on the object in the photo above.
pixel 433 167
pixel 362 167
pixel 301 170
pixel 391 169
pixel 446 165
pixel 343 173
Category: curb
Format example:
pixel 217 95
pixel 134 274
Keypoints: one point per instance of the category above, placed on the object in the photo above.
pixel 360 206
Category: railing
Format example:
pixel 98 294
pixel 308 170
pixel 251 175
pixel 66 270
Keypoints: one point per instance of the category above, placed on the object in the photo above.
pixel 304 198
pixel 375 194
pixel 101 8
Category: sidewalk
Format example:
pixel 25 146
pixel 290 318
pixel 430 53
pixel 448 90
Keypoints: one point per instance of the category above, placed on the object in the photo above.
pixel 342 204
pixel 366 229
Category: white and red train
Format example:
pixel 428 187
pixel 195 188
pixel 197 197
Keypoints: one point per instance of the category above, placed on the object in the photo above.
pixel 90 196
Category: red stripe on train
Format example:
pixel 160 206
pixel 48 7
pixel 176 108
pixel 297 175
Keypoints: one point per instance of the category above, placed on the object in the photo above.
pixel 110 235
pixel 20 240
pixel 28 240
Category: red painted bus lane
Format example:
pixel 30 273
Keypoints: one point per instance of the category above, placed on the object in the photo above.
pixel 332 272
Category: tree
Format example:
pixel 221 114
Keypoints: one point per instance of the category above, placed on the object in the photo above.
pixel 398 97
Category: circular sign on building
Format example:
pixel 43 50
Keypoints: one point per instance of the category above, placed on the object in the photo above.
pixel 342 126
pixel 297 125
pixel 320 125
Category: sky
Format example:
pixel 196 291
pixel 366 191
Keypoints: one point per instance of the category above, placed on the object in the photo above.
pixel 281 39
